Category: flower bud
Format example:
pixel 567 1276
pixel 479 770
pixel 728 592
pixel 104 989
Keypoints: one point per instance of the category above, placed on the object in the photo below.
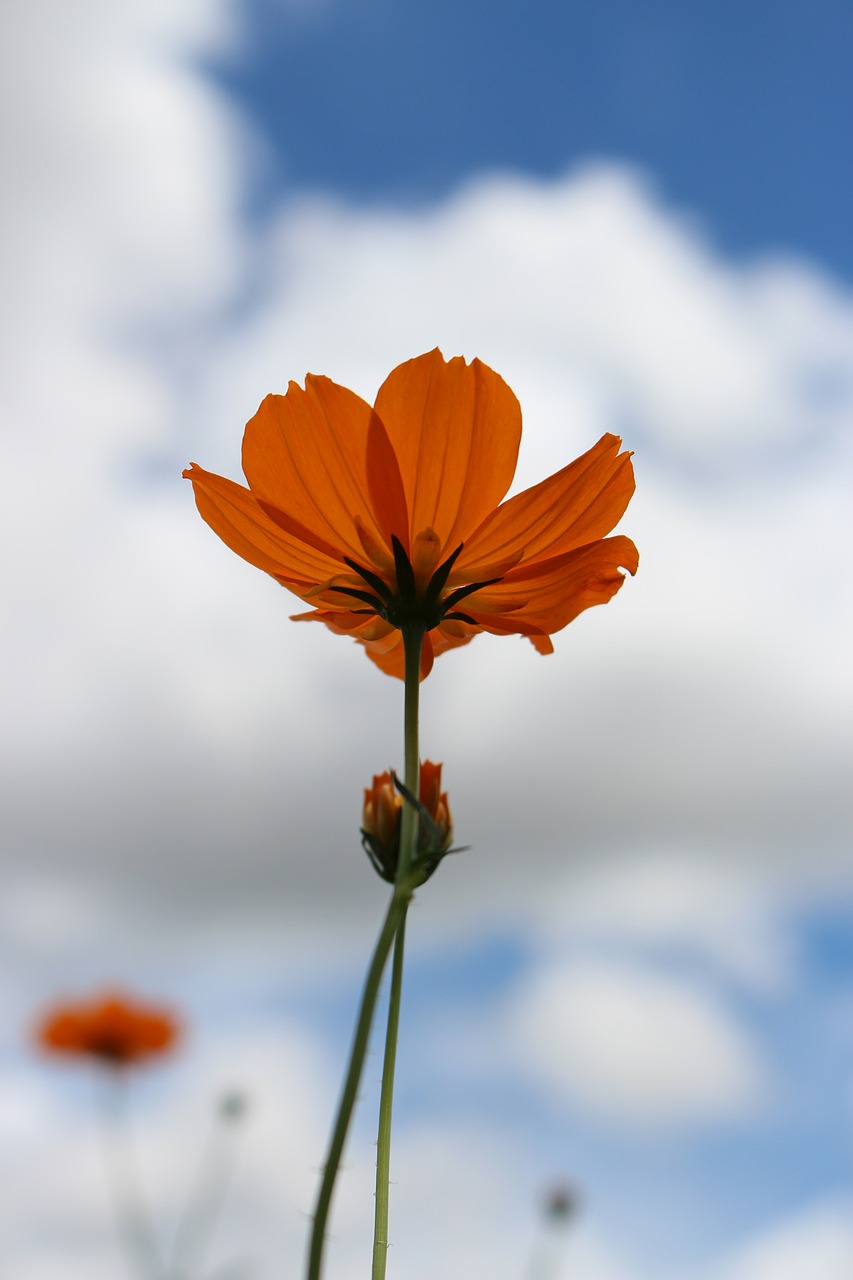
pixel 434 800
pixel 383 815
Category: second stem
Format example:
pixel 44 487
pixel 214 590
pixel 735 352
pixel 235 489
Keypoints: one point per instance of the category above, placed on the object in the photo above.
pixel 409 826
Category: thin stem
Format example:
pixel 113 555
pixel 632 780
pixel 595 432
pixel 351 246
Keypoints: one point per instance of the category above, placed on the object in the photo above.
pixel 386 1102
pixel 413 643
pixel 131 1215
pixel 396 910
pixel 207 1197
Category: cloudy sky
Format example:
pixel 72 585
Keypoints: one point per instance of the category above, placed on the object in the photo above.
pixel 639 980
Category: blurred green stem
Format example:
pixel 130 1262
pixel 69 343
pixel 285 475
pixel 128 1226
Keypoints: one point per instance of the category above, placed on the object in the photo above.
pixel 396 911
pixel 207 1196
pixel 133 1221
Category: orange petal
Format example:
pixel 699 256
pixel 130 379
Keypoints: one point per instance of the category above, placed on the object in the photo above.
pixel 451 635
pixel 305 455
pixel 425 555
pixel 342 621
pixel 389 655
pixel 457 631
pixel 390 658
pixel 387 493
pixel 430 786
pixel 572 508
pixel 455 429
pixel 233 514
pixel 372 629
pixel 378 555
pixel 556 590
pixel 391 662
pixel 542 644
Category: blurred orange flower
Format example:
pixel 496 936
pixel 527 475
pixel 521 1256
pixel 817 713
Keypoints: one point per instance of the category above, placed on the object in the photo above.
pixel 110 1028
pixel 392 516
pixel 382 815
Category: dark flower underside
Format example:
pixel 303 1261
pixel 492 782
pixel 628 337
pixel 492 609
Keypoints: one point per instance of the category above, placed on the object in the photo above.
pixel 404 608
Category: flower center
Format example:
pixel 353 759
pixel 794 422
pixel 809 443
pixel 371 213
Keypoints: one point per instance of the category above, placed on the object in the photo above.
pixel 401 604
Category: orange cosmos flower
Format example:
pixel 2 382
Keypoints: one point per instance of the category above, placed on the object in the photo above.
pixel 110 1028
pixel 391 517
pixel 382 817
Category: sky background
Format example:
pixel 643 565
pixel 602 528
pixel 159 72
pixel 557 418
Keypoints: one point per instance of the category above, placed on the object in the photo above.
pixel 639 981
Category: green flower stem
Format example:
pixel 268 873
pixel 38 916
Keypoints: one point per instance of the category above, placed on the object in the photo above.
pixel 207 1196
pixel 396 911
pixel 413 642
pixel 133 1222
pixel 386 1100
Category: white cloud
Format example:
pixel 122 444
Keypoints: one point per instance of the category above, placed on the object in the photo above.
pixel 156 681
pixel 184 767
pixel 146 667
pixel 696 694
pixel 814 1244
pixel 675 904
pixel 586 293
pixel 642 1048
pixel 119 240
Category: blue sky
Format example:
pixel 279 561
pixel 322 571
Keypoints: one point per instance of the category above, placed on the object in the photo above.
pixel 740 111
pixel 640 978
